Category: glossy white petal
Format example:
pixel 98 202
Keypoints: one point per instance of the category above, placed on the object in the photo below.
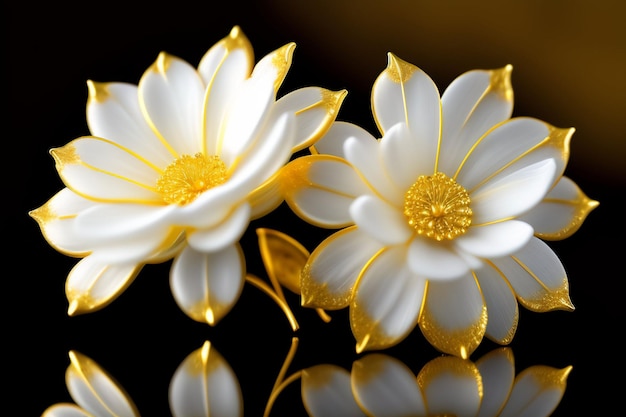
pixel 332 142
pixel 537 276
pixel 224 234
pixel 398 151
pixel 497 370
pixel 537 392
pixel 328 277
pixel 451 387
pixel 223 68
pixel 207 285
pixel 315 109
pixel 65 410
pixel 113 113
pixel 91 284
pixel 435 260
pixel 326 392
pixel 502 307
pixel 171 94
pixel 514 194
pixel 265 156
pixel 204 384
pixel 56 219
pixel 320 189
pixel 381 221
pixel 101 170
pixel 471 105
pixel 386 302
pixel 366 157
pixel 405 93
pixel 495 240
pixel 561 212
pixel 95 390
pixel 454 317
pixel 246 118
pixel 517 143
pixel 266 198
pixel 386 387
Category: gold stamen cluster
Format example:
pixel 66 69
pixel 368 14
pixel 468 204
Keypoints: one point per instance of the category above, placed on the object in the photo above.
pixel 189 176
pixel 437 207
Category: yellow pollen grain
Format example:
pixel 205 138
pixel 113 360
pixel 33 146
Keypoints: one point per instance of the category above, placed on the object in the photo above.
pixel 438 207
pixel 189 176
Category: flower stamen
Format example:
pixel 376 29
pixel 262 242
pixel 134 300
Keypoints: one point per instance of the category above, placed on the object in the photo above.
pixel 189 176
pixel 438 207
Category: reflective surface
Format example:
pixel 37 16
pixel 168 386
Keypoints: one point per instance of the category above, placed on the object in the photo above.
pixel 142 337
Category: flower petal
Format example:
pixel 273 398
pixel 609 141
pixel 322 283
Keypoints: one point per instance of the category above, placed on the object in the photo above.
pixel 247 115
pixel 222 235
pixel 326 392
pixel 495 240
pixel 332 142
pixel 266 198
pixel 511 146
pixel 223 68
pixel 207 285
pixel 512 195
pixel 405 93
pixel 65 410
pixel 561 213
pixel 381 221
pixel 95 390
pixel 92 285
pixel 315 109
pixel 320 189
pixel 384 386
pixel 113 113
pixel 333 267
pixel 386 302
pixel 451 387
pixel 538 277
pixel 366 158
pixel 56 220
pixel 502 307
pixel 497 369
pixel 99 169
pixel 204 384
pixel 537 392
pixel 435 260
pixel 171 94
pixel 454 317
pixel 473 103
pixel 399 152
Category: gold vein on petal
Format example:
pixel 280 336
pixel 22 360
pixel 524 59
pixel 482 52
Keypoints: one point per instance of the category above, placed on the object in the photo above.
pixel 331 102
pixel 461 342
pixel 397 70
pixel 203 361
pixel 162 63
pixel 237 40
pixel 98 92
pixel 500 82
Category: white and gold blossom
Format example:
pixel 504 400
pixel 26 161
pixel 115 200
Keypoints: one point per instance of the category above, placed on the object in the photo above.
pixel 442 218
pixel 204 384
pixel 175 168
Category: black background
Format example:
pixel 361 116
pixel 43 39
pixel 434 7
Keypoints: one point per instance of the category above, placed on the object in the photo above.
pixel 568 60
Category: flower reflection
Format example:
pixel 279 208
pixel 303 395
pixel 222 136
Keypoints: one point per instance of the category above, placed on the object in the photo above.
pixel 381 385
pixel 204 384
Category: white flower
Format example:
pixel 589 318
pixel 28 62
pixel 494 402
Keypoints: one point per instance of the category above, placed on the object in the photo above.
pixel 441 216
pixel 176 167
pixel 204 384
pixel 380 385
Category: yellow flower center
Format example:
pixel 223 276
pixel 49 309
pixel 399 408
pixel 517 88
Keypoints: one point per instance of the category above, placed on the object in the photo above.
pixel 189 176
pixel 437 207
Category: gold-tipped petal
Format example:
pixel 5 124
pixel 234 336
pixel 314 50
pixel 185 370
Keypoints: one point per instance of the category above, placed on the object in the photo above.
pixel 443 366
pixel 500 82
pixel 330 101
pixel 367 331
pixel 98 92
pixel 397 70
pixel 283 257
pixel 550 299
